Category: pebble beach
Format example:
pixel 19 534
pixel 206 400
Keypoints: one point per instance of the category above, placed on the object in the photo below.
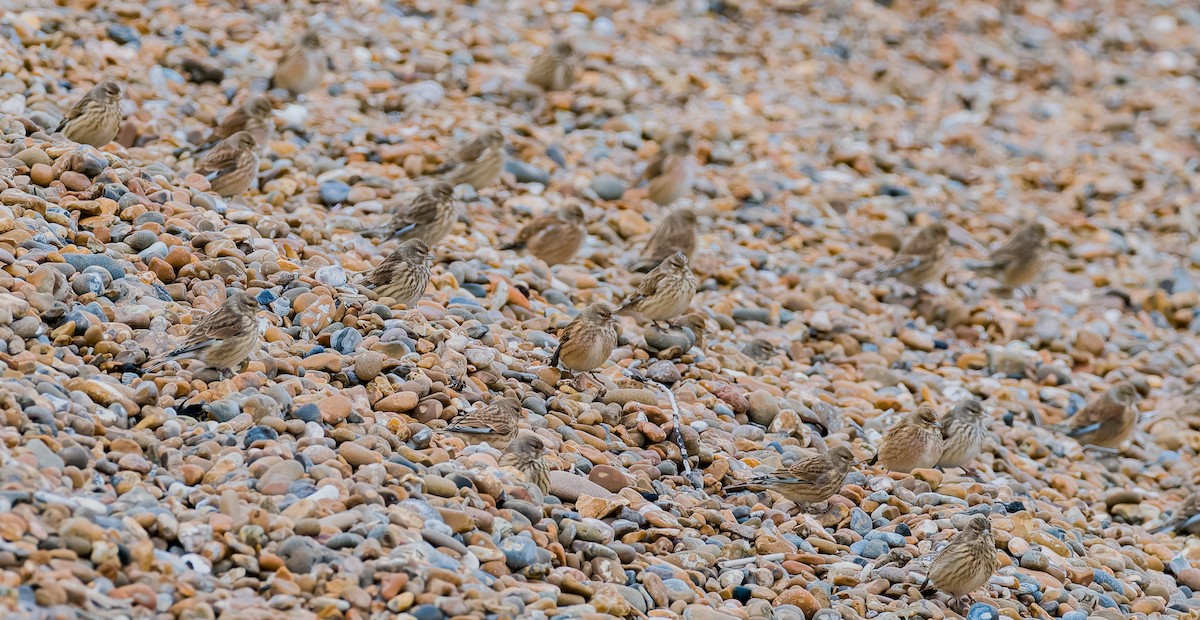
pixel 319 481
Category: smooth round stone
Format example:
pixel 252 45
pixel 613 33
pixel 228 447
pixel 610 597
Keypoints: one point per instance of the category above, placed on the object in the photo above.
pixel 333 193
pixel 608 187
pixel 519 551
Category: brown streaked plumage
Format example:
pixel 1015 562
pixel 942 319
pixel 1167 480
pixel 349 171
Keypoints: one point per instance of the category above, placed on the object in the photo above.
pixel 915 442
pixel 667 175
pixel 1107 421
pixel 96 118
pixel 963 432
pixel 404 274
pixel 478 163
pixel 966 562
pixel 222 340
pixel 1186 519
pixel 302 66
pixel 921 261
pixel 495 424
pixel 588 340
pixel 664 293
pixel 527 454
pixel 812 479
pixel 554 69
pixel 553 238
pixel 676 233
pixel 231 165
pixel 1019 260
pixel 253 117
pixel 430 216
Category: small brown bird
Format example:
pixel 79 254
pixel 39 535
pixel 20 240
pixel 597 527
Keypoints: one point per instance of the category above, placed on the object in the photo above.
pixel 554 69
pixel 921 261
pixel 966 562
pixel 478 163
pixel 224 339
pixel 231 165
pixel 496 424
pixel 810 480
pixel 1185 520
pixel 676 233
pixel 1019 260
pixel 302 66
pixel 1107 421
pixel 588 340
pixel 664 293
pixel 430 216
pixel 527 454
pixel 963 432
pixel 915 442
pixel 253 117
pixel 667 173
pixel 404 274
pixel 96 118
pixel 553 238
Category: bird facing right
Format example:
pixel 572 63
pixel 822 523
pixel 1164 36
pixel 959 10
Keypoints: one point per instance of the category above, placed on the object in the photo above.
pixel 676 233
pixel 231 165
pixel 1019 260
pixel 664 293
pixel 527 454
pixel 966 562
pixel 224 339
pixel 921 261
pixel 963 432
pixel 478 163
pixel 1107 421
pixel 553 238
pixel 302 66
pixel 915 442
pixel 1186 519
pixel 554 69
pixel 811 479
pixel 96 118
pixel 404 274
pixel 430 216
pixel 253 117
pixel 495 424
pixel 588 340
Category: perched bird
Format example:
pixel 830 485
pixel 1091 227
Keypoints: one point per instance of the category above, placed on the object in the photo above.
pixel 963 432
pixel 527 454
pixel 553 238
pixel 665 293
pixel 587 341
pixel 915 442
pixel 1019 260
pixel 253 117
pixel 966 562
pixel 1107 421
pixel 812 479
pixel 554 69
pixel 496 424
pixel 921 261
pixel 404 274
pixel 478 163
pixel 302 66
pixel 224 339
pixel 430 216
pixel 231 165
pixel 96 118
pixel 1185 520
pixel 676 233
pixel 667 173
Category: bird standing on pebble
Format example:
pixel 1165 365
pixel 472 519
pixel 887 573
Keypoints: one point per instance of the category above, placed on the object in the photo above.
pixel 224 339
pixel 664 293
pixel 404 274
pixel 676 233
pixel 915 442
pixel 667 175
pixel 302 66
pixel 231 165
pixel 588 340
pixel 554 69
pixel 963 432
pixel 96 118
pixel 1106 422
pixel 253 117
pixel 430 216
pixel 527 454
pixel 495 424
pixel 1019 260
pixel 812 479
pixel 553 238
pixel 478 163
pixel 1185 520
pixel 965 563
pixel 921 261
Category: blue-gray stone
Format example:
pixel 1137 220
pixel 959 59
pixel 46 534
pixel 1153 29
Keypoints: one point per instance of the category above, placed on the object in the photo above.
pixel 346 340
pixel 307 413
pixel 156 250
pixel 527 173
pixel 891 539
pixel 677 590
pixel 344 540
pixel 1075 615
pixel 83 261
pixel 873 549
pixel 608 187
pixel 1108 581
pixel 334 193
pixel 260 433
pixel 982 611
pixel 519 551
pixel 122 34
pixel 427 612
pixel 223 410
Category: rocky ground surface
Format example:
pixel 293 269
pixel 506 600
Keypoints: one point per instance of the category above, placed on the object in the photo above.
pixel 315 484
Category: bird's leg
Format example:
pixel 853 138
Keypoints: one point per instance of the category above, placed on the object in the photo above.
pixel 1110 452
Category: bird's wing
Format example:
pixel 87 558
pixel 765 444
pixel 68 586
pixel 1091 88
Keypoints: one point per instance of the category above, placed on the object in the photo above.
pixel 219 161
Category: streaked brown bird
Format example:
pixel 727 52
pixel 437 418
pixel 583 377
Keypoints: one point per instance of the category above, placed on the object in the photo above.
pixel 1019 260
pixel 921 261
pixel 1107 421
pixel 404 274
pixel 588 340
pixel 222 340
pixel 231 165
pixel 810 480
pixel 430 216
pixel 527 454
pixel 253 117
pixel 664 293
pixel 478 163
pixel 495 424
pixel 553 238
pixel 302 66
pixel 966 562
pixel 555 68
pixel 96 118
pixel 667 175
pixel 1185 520
pixel 676 233
pixel 915 442
pixel 963 432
